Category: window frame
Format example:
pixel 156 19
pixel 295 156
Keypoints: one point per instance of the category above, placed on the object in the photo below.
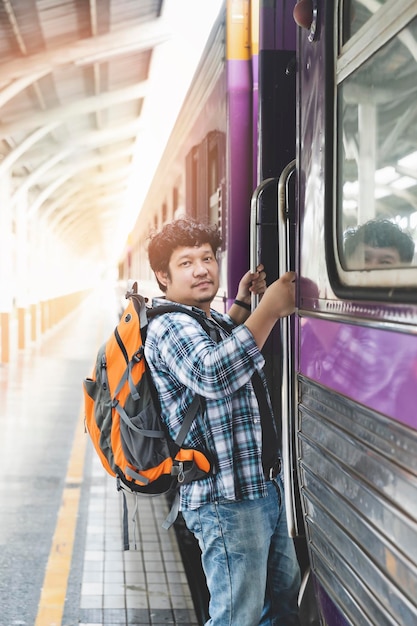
pixel 391 284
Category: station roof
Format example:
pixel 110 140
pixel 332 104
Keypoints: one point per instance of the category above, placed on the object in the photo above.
pixel 77 79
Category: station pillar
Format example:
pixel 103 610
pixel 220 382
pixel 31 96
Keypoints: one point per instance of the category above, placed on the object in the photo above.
pixel 7 265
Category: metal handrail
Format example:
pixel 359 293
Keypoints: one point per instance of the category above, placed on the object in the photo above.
pixel 287 404
pixel 254 223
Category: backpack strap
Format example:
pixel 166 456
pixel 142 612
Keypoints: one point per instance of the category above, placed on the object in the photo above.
pixel 127 376
pixel 188 420
pixel 155 434
pixel 205 322
pixel 173 512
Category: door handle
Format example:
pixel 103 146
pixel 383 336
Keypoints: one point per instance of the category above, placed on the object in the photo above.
pixel 254 223
pixel 287 339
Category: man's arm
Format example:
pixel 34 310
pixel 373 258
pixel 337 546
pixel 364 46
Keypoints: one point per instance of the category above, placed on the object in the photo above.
pixel 278 301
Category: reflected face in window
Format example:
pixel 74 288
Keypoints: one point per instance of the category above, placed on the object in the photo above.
pixel 368 257
pixel 378 244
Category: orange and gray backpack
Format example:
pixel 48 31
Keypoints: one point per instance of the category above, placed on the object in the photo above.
pixel 123 415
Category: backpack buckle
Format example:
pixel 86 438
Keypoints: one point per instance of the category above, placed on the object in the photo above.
pixel 138 355
pixel 178 471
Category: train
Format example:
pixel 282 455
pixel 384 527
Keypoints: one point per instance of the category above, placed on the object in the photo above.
pixel 298 138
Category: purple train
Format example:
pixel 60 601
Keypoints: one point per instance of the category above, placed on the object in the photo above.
pixel 301 143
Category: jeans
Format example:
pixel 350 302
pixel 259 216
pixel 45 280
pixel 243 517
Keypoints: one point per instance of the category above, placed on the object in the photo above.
pixel 249 560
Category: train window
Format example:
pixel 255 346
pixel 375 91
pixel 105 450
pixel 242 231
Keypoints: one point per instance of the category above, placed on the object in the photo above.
pixel 205 169
pixel 377 163
pixel 164 213
pixel 191 180
pixel 355 14
pixel 175 200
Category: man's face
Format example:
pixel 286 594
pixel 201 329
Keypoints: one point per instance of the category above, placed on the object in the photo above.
pixel 369 257
pixel 193 276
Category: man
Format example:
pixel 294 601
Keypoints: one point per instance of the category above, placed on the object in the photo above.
pixel 237 513
pixel 376 244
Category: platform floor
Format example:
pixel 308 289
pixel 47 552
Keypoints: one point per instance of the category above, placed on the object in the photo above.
pixel 144 585
pixel 62 561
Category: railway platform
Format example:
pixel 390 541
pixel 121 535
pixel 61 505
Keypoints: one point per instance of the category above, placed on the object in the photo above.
pixel 62 560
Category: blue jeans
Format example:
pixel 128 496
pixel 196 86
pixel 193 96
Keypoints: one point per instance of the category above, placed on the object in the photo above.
pixel 249 560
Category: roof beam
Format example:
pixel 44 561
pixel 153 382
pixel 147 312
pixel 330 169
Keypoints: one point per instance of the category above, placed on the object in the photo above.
pixel 63 114
pixel 87 51
pixel 69 172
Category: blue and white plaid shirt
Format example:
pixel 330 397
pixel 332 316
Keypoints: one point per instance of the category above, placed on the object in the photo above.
pixel 185 361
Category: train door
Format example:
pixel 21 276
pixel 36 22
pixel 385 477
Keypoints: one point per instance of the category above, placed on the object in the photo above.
pixel 352 384
pixel 272 230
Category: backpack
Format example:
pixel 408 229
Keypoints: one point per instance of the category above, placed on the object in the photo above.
pixel 123 414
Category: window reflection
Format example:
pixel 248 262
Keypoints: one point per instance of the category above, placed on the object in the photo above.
pixel 377 164
pixel 356 13
pixel 378 244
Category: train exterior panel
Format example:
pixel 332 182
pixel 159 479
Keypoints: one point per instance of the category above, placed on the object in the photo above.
pixel 355 343
pixel 240 153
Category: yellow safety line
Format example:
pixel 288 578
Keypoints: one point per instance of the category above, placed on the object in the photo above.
pixel 54 589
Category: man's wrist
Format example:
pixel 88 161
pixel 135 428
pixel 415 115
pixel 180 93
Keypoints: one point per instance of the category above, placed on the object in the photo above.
pixel 244 305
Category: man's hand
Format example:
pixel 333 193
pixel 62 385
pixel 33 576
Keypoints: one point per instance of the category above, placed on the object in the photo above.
pixel 279 298
pixel 278 301
pixel 252 283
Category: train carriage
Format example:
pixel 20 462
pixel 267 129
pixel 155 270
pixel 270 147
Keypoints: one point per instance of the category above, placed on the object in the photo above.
pixel 353 373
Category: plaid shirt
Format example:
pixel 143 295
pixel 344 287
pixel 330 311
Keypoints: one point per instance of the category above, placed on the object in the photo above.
pixel 185 361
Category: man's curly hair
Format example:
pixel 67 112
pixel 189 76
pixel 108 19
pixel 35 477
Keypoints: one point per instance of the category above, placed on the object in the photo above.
pixel 179 233
pixel 380 234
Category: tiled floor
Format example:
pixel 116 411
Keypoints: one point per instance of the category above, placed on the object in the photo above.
pixel 143 585
pixel 62 561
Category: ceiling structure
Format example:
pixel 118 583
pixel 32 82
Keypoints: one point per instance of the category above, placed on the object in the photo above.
pixel 75 76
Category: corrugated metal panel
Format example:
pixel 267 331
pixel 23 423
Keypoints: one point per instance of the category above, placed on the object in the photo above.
pixel 357 468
